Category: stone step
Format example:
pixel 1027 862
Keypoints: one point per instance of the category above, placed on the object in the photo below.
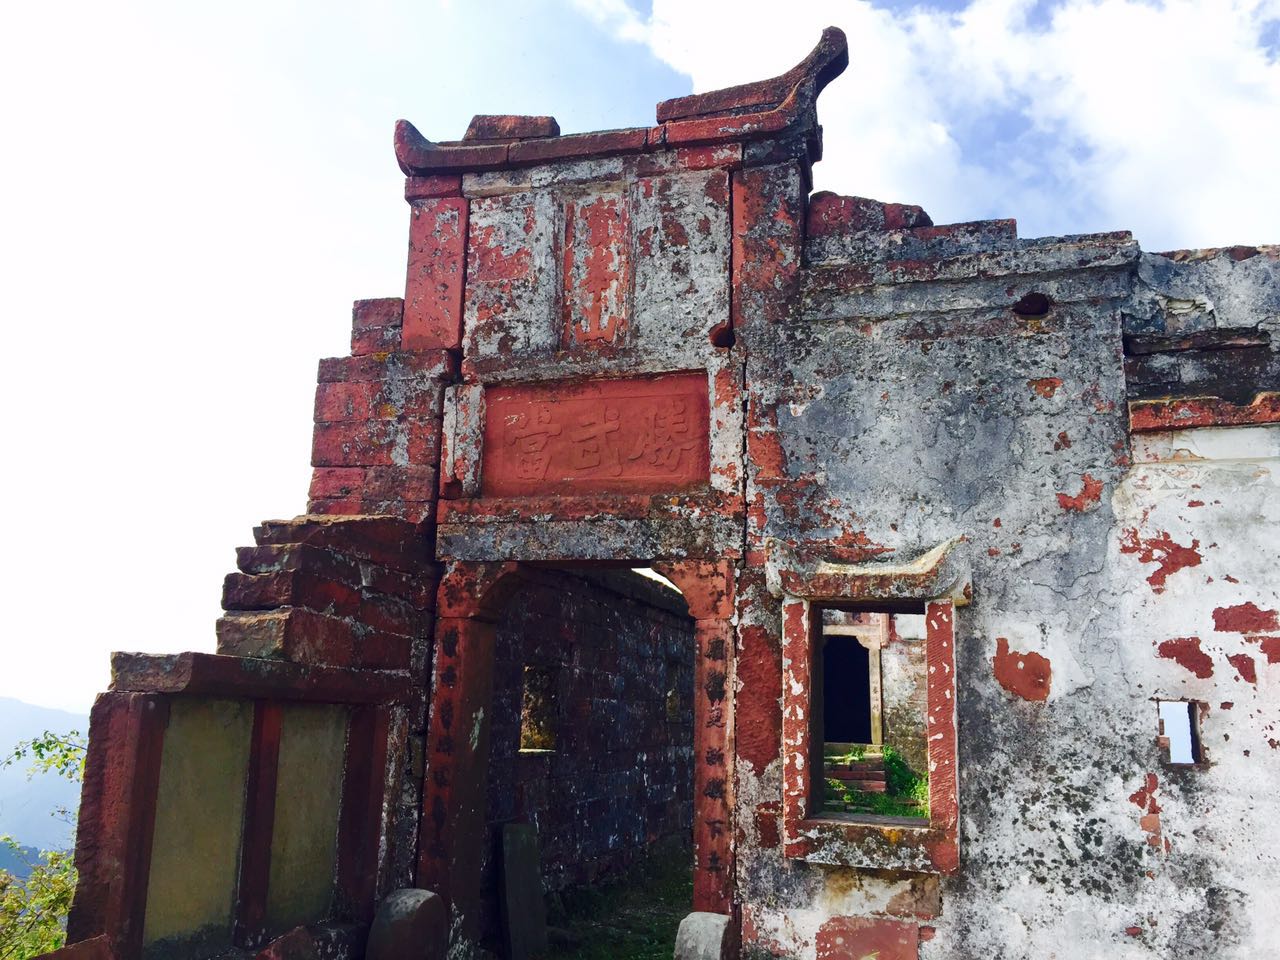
pixel 866 786
pixel 867 766
pixel 857 774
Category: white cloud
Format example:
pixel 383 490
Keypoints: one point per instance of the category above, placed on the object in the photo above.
pixel 193 195
pixel 1107 114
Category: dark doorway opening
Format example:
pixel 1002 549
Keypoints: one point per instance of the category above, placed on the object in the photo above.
pixel 591 749
pixel 846 695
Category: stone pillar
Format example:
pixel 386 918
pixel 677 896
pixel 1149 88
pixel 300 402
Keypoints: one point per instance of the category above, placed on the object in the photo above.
pixel 708 590
pixel 452 829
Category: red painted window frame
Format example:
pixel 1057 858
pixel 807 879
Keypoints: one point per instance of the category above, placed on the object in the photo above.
pixel 934 848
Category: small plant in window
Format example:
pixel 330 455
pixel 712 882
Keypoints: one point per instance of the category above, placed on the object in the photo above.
pixel 537 709
pixel 674 705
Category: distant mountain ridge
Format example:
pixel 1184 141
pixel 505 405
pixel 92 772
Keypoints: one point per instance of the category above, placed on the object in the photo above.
pixel 27 805
pixel 19 863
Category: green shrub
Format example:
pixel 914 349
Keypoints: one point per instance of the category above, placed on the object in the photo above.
pixel 906 792
pixel 33 909
pixel 905 783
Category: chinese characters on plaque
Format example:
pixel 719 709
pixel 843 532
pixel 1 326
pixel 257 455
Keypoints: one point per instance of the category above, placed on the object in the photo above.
pixel 639 435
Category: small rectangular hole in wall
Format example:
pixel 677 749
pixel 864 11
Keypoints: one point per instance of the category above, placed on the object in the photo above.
pixel 1179 734
pixel 675 708
pixel 867 715
pixel 538 708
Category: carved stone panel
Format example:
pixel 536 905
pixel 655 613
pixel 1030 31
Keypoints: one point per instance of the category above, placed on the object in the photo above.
pixel 638 435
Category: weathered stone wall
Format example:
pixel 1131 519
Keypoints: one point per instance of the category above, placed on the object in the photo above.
pixel 924 398
pixel 903 675
pixel 620 775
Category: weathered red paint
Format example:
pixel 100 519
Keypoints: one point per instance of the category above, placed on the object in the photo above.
pixel 1025 675
pixel 1245 618
pixel 707 586
pixel 824 62
pixel 250 927
pixel 1045 386
pixel 116 820
pixel 712 777
pixel 638 435
pixel 1162 550
pixel 506 126
pixel 944 790
pixel 1244 666
pixel 797 645
pixel 1144 797
pixel 1090 493
pixel 210 675
pixel 1186 653
pixel 360 826
pixel 831 214
pixel 768 224
pixel 1156 415
pixel 453 794
pixel 1270 647
pixel 759 697
pixel 807 836
pixel 597 271
pixel 550 296
pixel 578 146
pixel 433 290
pixel 860 938
pixel 766 822
pixel 433 186
pixel 375 326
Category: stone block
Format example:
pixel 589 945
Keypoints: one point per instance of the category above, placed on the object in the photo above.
pixel 375 325
pixel 702 936
pixel 524 913
pixel 410 924
pixel 433 290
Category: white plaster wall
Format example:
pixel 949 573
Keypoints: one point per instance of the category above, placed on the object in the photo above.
pixel 1219 490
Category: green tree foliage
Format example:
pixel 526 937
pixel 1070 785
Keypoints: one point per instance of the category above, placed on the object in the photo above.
pixel 906 792
pixel 33 909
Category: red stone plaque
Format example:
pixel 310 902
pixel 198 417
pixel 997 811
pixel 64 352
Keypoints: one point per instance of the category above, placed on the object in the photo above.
pixel 641 435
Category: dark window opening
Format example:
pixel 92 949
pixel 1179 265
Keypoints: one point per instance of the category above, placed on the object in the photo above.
pixel 868 709
pixel 1178 731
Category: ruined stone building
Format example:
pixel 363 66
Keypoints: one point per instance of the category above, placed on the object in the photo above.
pixel 995 515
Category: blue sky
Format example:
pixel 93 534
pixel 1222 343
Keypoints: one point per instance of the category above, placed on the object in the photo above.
pixel 194 194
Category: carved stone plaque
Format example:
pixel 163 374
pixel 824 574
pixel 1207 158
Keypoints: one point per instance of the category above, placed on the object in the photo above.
pixel 639 435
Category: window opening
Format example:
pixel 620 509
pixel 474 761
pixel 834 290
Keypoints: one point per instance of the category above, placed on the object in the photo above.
pixel 537 708
pixel 868 713
pixel 674 706
pixel 1178 732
